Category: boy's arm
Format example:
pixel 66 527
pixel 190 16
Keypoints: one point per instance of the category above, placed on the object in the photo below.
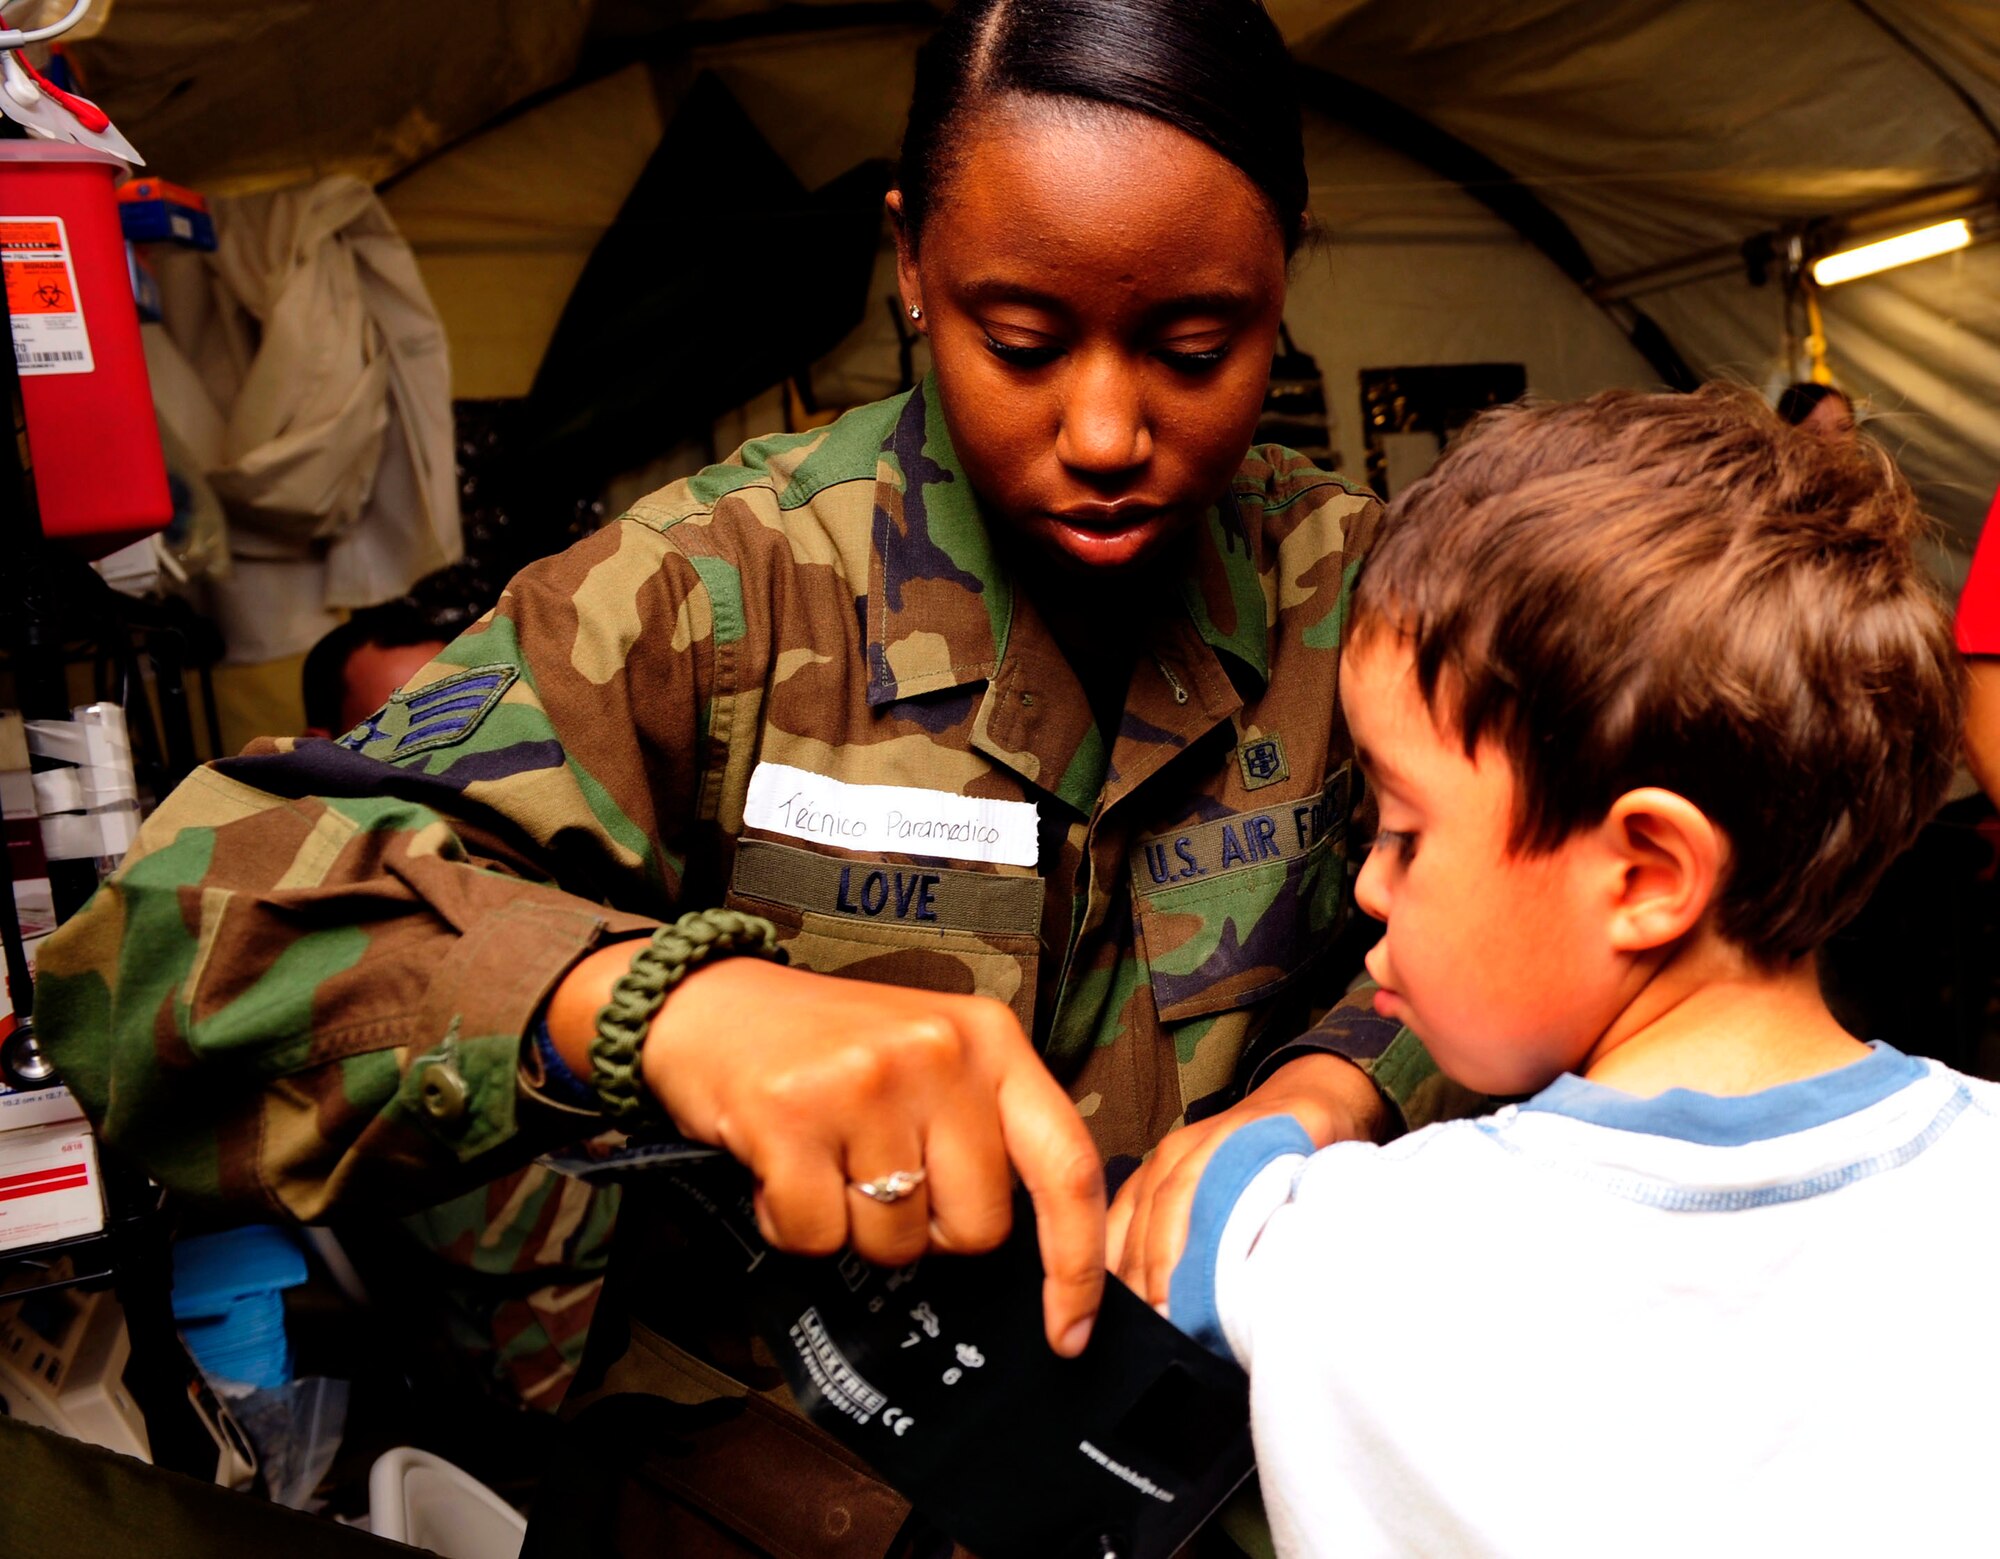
pixel 1247 1180
pixel 1319 1091
pixel 1353 1076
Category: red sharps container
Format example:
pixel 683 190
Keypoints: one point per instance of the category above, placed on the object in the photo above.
pixel 95 446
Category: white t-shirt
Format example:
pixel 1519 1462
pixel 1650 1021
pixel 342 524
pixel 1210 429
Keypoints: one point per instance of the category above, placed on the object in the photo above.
pixel 1595 1324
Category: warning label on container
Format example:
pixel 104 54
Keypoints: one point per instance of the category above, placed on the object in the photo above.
pixel 49 333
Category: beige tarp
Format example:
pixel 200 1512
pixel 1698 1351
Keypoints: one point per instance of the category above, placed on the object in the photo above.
pixel 1657 130
pixel 247 95
pixel 1654 128
pixel 1410 270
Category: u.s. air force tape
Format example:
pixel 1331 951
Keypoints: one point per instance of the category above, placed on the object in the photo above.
pixel 1241 840
pixel 921 897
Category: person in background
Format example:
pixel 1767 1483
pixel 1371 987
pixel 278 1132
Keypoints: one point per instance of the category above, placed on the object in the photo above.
pixel 1723 1282
pixel 354 668
pixel 1818 408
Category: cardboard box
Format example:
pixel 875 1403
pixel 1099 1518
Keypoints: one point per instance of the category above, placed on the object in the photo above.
pixel 153 210
pixel 49 1187
pixel 37 1107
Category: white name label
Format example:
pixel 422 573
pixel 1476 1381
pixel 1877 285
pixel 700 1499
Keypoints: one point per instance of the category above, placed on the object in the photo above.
pixel 890 818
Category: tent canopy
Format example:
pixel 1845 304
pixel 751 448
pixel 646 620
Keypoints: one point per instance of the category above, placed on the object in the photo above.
pixel 1563 184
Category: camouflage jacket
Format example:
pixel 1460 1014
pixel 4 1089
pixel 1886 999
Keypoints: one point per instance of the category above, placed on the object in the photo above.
pixel 309 982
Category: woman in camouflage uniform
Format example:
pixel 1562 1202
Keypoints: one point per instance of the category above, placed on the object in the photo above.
pixel 1055 580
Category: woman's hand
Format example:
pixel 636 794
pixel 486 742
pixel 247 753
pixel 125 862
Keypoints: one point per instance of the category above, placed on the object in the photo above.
pixel 817 1083
pixel 1332 1098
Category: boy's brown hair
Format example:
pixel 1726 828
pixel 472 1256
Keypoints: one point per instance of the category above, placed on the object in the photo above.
pixel 1680 590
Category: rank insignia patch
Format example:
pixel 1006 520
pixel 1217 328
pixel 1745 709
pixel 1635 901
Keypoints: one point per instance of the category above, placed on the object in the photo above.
pixel 1262 759
pixel 435 716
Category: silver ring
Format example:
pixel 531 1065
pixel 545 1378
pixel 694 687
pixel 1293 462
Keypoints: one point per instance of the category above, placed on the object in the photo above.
pixel 891 1187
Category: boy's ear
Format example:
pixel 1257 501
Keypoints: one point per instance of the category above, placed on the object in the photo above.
pixel 1671 860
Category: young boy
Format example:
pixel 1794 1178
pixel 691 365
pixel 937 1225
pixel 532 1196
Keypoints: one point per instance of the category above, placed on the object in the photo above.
pixel 1650 690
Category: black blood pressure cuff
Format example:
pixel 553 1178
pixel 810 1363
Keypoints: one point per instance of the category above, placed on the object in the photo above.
pixel 939 1376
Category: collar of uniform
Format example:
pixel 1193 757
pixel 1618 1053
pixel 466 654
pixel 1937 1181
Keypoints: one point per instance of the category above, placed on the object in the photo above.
pixel 940 608
pixel 1224 590
pixel 942 613
pixel 1036 718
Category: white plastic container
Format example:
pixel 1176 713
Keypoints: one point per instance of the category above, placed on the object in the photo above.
pixel 423 1500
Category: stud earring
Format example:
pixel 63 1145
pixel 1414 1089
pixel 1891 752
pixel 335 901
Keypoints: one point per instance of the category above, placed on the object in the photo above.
pixel 915 312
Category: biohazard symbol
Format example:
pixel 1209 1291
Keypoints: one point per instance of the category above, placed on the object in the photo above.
pixel 52 296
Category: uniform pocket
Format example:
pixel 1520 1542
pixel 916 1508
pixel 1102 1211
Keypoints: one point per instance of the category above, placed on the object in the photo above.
pixel 1232 910
pixel 929 928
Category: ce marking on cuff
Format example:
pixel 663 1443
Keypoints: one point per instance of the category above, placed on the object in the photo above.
pixel 896 1420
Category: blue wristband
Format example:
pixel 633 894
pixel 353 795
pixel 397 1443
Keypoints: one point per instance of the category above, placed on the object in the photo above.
pixel 562 1084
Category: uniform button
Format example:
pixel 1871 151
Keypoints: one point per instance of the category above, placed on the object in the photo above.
pixel 443 1091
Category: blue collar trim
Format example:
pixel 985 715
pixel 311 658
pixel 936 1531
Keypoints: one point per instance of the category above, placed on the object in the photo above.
pixel 1730 1121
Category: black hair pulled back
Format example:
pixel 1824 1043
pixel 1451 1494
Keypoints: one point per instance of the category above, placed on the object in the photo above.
pixel 1801 400
pixel 1214 69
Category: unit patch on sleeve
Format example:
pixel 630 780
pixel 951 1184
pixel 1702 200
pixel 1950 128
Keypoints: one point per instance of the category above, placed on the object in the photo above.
pixel 436 715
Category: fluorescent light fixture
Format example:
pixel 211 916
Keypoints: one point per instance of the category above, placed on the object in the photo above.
pixel 1922 244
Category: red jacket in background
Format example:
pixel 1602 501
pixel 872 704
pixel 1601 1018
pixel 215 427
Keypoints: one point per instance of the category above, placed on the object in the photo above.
pixel 1979 607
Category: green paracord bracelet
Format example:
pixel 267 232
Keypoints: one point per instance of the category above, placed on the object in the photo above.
pixel 699 937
